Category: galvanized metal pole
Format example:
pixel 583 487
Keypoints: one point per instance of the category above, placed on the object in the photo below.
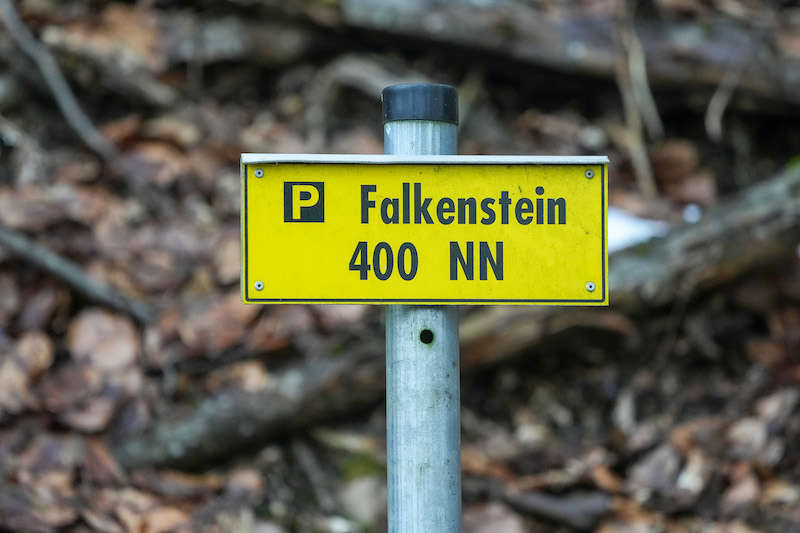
pixel 422 360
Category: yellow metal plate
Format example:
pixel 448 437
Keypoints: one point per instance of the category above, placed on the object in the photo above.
pixel 321 232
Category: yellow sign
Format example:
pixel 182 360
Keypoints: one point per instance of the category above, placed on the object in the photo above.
pixel 424 230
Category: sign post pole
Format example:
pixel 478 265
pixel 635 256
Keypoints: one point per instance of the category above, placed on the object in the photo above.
pixel 423 435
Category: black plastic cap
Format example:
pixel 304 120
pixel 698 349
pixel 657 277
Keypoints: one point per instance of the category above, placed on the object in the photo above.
pixel 420 101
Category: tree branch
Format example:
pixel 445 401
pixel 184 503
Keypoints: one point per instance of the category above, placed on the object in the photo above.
pixel 71 274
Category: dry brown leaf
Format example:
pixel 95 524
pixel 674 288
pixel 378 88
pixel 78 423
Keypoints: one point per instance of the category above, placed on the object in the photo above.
pixel 92 417
pixel 35 352
pixel 682 7
pixel 163 520
pixel 275 330
pixel 98 522
pixel 606 479
pixel 359 140
pixel 742 493
pixel 165 163
pixel 131 519
pixel 784 324
pixel 36 208
pixel 736 526
pixel 11 300
pixel 657 470
pixel 336 316
pixel 779 492
pixel 788 36
pixel 777 407
pixel 768 352
pixel 17 512
pixel 748 439
pixel 156 271
pixel 247 376
pixel 40 307
pixel 125 498
pixel 20 365
pixel 14 393
pixel 175 484
pixel 218 327
pixel 245 482
pixel 228 260
pixel 475 462
pixel 674 160
pixel 265 133
pixel 55 513
pixel 99 465
pixel 68 385
pixel 122 130
pixel 175 129
pixel 107 341
pixel 699 188
pixel 125 35
pixel 77 170
pixel 492 517
pixel 702 431
pixel 27 208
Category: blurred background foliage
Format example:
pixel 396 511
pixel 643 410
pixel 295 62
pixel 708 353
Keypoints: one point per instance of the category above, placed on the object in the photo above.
pixel 138 394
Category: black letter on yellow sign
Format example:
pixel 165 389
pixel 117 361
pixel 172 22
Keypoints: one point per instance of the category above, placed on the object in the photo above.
pixel 485 258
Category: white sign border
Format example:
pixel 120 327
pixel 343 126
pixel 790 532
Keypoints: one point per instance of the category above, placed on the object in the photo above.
pixel 380 159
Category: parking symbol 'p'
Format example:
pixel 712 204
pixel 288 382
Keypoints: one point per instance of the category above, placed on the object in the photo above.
pixel 303 201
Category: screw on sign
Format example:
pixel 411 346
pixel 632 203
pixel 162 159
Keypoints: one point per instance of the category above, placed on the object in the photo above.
pixel 422 230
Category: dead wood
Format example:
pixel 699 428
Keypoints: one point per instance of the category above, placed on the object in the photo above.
pixel 678 53
pixel 760 226
pixel 77 119
pixel 55 80
pixel 70 273
pixel 581 510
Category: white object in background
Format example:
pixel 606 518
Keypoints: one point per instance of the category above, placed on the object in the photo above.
pixel 625 229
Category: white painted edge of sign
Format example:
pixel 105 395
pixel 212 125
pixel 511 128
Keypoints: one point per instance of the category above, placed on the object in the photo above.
pixel 379 159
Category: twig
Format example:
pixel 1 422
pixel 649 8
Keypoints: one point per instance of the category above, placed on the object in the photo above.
pixel 74 115
pixel 676 317
pixel 64 96
pixel 313 471
pixel 746 51
pixel 71 274
pixel 581 510
pixel 469 91
pixel 359 72
pixel 641 86
pixel 31 160
pixel 637 100
pixel 578 509
pixel 720 100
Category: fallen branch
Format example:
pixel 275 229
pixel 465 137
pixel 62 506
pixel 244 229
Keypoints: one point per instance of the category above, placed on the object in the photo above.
pixel 575 42
pixel 58 85
pixel 77 119
pixel 637 100
pixel 760 226
pixel 581 510
pixel 71 274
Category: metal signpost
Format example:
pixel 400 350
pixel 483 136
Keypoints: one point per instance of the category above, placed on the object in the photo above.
pixel 423 389
pixel 423 230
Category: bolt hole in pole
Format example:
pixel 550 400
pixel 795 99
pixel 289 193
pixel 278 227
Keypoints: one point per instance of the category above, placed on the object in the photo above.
pixel 426 336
